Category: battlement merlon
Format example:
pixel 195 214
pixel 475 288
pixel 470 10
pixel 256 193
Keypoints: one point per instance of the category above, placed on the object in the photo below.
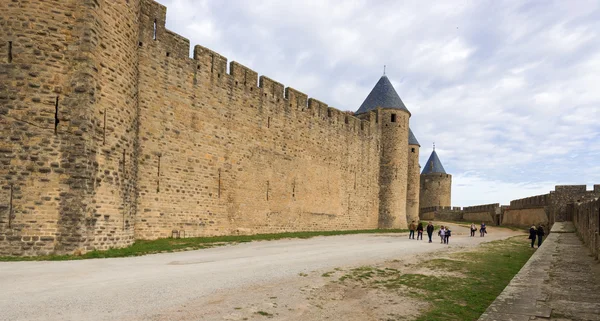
pixel 271 87
pixel 317 107
pixel 297 99
pixel 243 75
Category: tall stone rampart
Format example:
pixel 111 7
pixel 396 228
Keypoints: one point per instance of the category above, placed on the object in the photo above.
pixel 226 152
pixel 111 133
pixel 66 71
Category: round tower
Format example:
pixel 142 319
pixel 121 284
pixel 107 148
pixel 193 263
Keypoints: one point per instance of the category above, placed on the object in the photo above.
pixel 393 119
pixel 436 184
pixel 412 193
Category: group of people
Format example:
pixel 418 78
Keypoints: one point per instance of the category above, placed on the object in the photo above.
pixel 536 232
pixel 482 229
pixel 444 232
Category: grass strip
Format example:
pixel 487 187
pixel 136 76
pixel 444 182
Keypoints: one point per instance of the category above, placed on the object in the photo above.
pixel 471 283
pixel 143 247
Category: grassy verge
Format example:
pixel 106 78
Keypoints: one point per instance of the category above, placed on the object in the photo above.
pixel 467 284
pixel 142 247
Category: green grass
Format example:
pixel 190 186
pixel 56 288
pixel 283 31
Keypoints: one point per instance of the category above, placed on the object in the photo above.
pixel 143 247
pixel 472 282
pixel 265 314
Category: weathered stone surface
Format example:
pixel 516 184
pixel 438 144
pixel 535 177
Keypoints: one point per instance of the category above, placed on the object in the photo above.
pixel 559 282
pixel 107 113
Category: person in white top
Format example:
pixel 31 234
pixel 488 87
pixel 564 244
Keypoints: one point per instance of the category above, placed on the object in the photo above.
pixel 442 234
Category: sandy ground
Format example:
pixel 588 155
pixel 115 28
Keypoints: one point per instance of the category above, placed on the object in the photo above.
pixel 280 280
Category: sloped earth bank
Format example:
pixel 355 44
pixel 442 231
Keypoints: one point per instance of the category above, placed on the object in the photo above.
pixel 455 282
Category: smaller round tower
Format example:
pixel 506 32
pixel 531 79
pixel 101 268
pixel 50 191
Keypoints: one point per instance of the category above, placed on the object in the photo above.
pixel 436 184
pixel 412 191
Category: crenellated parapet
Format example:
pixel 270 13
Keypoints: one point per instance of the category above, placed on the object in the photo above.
pixel 153 33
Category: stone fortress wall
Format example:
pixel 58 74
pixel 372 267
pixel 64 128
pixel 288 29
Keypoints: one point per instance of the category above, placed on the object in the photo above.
pixel 435 190
pixel 586 217
pixel 556 206
pixel 111 133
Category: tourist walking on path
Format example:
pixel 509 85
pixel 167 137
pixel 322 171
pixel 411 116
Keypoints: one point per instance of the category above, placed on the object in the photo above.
pixel 448 234
pixel 420 231
pixel 540 234
pixel 412 229
pixel 430 229
pixel 482 230
pixel 532 234
pixel 473 229
pixel 442 234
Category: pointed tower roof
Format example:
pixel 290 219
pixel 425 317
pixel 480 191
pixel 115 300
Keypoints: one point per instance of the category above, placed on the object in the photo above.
pixel 433 165
pixel 382 95
pixel 412 140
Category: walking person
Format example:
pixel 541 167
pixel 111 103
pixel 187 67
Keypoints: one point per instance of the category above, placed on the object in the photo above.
pixel 482 230
pixel 420 231
pixel 532 234
pixel 430 229
pixel 442 234
pixel 540 234
pixel 412 229
pixel 473 229
pixel 448 234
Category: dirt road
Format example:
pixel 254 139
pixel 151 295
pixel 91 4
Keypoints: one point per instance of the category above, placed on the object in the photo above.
pixel 237 282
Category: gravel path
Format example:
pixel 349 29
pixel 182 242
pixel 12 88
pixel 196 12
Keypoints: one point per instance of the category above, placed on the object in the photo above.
pixel 143 287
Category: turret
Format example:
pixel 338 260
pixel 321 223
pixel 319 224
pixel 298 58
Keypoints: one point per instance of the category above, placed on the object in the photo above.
pixel 393 120
pixel 436 184
pixel 412 193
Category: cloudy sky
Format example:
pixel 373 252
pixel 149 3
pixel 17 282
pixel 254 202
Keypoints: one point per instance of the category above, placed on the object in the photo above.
pixel 508 90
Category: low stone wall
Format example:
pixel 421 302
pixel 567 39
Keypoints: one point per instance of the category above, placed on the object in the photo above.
pixel 478 217
pixel 559 282
pixel 586 218
pixel 525 216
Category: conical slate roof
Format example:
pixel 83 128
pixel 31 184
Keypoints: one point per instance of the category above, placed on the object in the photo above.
pixel 412 140
pixel 382 95
pixel 433 165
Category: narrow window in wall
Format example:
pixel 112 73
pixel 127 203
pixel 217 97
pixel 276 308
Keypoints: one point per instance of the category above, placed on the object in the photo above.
pixel 393 118
pixel 10 207
pixel 346 120
pixel 412 150
pixel 104 129
pixel 10 56
pixel 294 190
pixel 123 161
pixel 362 126
pixel 329 113
pixel 354 180
pixel 154 30
pixel 219 187
pixel 267 190
pixel 158 176
pixel 56 121
pixel 268 122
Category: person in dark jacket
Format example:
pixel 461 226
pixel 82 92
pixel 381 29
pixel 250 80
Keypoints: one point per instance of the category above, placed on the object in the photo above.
pixel 420 231
pixel 540 234
pixel 448 234
pixel 430 229
pixel 532 234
